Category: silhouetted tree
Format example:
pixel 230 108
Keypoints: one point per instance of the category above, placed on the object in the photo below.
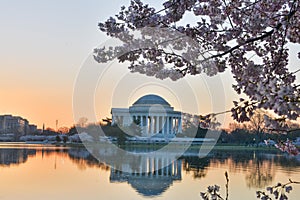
pixel 72 131
pixel 57 138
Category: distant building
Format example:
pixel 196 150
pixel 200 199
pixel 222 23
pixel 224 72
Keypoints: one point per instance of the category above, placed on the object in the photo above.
pixel 32 128
pixel 153 114
pixel 15 124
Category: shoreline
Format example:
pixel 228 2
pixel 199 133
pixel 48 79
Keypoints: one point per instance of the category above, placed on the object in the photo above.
pixel 140 145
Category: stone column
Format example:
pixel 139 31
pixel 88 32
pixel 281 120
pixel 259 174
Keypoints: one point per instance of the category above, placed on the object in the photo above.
pixel 174 168
pixel 156 166
pixel 151 125
pixel 149 165
pixel 179 125
pixel 163 125
pixel 121 120
pixel 135 119
pixel 168 128
pixel 154 124
pixel 172 125
pixel 146 125
pixel 144 165
pixel 117 120
pixel 141 124
pixel 154 129
pixel 162 166
pixel 157 124
pixel 167 167
pixel 175 125
pixel 179 168
pixel 112 121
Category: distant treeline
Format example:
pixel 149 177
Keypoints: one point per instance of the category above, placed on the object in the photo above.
pixel 240 135
pixel 237 136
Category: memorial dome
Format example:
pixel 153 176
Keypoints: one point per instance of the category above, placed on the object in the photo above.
pixel 150 100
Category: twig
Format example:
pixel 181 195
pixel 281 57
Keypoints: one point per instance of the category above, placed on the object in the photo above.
pixel 227 181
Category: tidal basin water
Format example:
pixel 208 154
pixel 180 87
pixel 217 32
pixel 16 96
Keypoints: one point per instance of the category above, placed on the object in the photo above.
pixel 48 172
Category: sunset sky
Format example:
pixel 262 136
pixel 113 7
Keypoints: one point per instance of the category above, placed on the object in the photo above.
pixel 44 46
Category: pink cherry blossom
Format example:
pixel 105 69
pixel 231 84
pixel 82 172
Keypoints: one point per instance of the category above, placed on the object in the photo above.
pixel 247 37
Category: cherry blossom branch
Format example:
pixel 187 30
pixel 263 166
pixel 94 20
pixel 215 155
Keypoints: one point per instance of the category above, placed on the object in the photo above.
pixel 269 33
pixel 251 40
pixel 279 191
pixel 282 130
pixel 227 34
pixel 298 70
pixel 229 19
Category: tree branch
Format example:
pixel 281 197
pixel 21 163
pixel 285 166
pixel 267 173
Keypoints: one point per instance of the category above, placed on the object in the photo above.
pixel 269 33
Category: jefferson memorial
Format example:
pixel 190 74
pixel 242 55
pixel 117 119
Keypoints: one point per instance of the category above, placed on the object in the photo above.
pixel 153 114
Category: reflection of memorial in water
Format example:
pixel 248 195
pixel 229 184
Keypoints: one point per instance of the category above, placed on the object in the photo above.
pixel 151 173
pixel 151 177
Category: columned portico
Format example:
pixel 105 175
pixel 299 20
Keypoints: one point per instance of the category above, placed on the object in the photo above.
pixel 153 114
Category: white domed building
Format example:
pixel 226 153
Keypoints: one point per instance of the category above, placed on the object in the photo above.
pixel 153 114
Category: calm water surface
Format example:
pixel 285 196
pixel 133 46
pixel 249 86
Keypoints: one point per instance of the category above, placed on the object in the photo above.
pixel 47 172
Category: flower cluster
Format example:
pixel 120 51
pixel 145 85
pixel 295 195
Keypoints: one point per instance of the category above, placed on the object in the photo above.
pixel 277 125
pixel 243 110
pixel 212 193
pixel 288 147
pixel 279 191
pixel 190 120
pixel 208 121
